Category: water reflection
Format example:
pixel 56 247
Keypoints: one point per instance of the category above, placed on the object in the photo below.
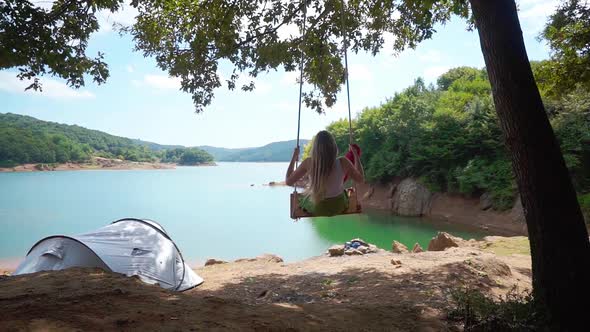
pixel 382 228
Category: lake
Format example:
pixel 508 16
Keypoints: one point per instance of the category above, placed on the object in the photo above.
pixel 223 212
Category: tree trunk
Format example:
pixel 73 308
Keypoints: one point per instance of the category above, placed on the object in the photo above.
pixel 558 237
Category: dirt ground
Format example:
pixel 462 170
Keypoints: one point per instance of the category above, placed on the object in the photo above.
pixel 353 293
pixel 96 163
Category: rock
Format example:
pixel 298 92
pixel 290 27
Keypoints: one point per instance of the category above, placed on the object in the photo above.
pixel 213 261
pixel 443 241
pixel 396 262
pixel 369 193
pixel 336 250
pixel 411 199
pixel 270 258
pixel 398 248
pixel 417 248
pixel 485 201
pixel 363 249
pixel 361 241
pixel 240 260
pixel 392 189
pixel 353 252
pixel 373 248
pixel 517 213
pixel 264 258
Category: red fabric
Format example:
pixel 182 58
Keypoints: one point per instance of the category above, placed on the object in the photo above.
pixel 350 156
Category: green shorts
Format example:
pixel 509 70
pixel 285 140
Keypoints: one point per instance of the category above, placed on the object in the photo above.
pixel 325 208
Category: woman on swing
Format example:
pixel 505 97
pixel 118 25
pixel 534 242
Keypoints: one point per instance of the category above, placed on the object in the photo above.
pixel 325 195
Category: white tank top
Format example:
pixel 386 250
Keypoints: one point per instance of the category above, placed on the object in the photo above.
pixel 335 183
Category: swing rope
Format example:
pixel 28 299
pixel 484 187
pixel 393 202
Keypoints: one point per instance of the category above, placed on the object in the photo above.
pixel 346 71
pixel 301 62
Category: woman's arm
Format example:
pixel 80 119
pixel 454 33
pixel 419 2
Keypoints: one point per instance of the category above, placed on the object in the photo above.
pixel 294 175
pixel 356 174
pixel 358 164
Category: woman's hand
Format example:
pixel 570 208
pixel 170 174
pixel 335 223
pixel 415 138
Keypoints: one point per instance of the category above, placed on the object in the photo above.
pixel 354 153
pixel 295 154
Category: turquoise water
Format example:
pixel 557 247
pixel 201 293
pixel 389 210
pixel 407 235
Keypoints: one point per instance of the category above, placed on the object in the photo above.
pixel 220 212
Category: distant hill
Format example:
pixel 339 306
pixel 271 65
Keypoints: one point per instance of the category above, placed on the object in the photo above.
pixel 156 146
pixel 24 139
pixel 277 151
pixel 220 154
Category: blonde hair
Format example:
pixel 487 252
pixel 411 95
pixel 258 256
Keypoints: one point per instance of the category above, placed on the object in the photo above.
pixel 323 156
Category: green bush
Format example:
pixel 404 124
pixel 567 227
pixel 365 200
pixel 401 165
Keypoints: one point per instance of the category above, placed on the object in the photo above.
pixel 449 137
pixel 7 164
pixel 513 312
pixel 584 201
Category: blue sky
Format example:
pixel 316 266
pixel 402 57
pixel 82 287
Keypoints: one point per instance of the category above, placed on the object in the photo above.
pixel 141 101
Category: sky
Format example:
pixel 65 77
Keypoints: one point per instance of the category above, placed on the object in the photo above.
pixel 141 101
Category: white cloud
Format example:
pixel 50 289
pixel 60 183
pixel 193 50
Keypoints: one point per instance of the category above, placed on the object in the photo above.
pixel 288 31
pixel 161 82
pixel 360 72
pixel 286 106
pixel 125 16
pixel 430 56
pixel 388 41
pixel 534 14
pixel 51 88
pixel 432 73
pixel 45 4
pixel 130 68
pixel 290 78
pixel 538 9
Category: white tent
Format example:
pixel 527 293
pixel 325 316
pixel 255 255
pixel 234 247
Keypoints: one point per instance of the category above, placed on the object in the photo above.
pixel 129 246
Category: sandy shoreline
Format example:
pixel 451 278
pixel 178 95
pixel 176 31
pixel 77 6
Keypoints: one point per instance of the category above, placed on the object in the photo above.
pixel 97 163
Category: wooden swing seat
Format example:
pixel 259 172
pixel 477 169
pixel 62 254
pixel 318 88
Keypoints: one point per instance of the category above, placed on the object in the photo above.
pixel 297 212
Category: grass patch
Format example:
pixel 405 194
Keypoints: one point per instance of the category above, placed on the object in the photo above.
pixel 513 312
pixel 584 201
pixel 508 246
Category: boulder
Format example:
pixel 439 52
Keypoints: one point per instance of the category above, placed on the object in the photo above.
pixel 443 241
pixel 363 249
pixel 263 258
pixel 517 213
pixel 336 250
pixel 411 199
pixel 396 262
pixel 213 261
pixel 398 248
pixel 369 193
pixel 373 248
pixel 353 252
pixel 417 248
pixel 270 258
pixel 485 201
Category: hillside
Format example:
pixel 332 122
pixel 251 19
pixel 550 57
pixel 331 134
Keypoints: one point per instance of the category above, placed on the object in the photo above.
pixel 156 146
pixel 24 139
pixel 276 151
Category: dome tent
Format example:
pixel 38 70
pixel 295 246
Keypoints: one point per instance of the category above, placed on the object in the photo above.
pixel 128 246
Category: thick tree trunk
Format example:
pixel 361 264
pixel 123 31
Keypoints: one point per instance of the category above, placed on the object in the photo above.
pixel 559 241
